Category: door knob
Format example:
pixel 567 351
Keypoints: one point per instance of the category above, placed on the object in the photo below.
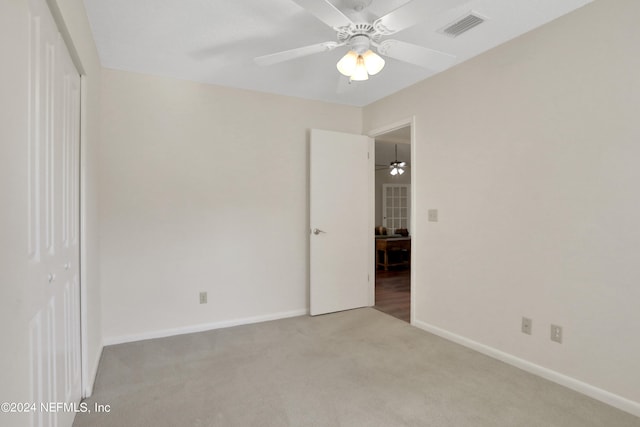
pixel 51 277
pixel 317 231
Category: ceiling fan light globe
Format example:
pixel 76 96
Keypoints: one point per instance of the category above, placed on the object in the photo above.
pixel 402 164
pixel 394 171
pixel 360 73
pixel 347 64
pixel 400 171
pixel 373 62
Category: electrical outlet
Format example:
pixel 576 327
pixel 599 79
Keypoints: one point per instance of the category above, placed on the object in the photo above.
pixel 432 215
pixel 203 297
pixel 556 333
pixel 527 324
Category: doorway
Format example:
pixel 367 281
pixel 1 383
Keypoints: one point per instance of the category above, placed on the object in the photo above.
pixel 393 198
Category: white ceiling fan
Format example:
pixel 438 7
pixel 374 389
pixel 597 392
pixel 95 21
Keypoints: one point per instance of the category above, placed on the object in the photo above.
pixel 395 167
pixel 360 61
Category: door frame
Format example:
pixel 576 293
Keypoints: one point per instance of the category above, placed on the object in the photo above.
pixel 409 121
pixel 87 378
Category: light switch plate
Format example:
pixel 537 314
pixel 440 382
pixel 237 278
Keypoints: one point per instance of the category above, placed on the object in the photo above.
pixel 433 215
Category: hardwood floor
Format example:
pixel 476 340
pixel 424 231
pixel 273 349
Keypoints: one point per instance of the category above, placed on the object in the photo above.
pixel 393 293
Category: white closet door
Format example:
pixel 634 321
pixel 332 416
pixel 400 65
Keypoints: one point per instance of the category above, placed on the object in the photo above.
pixel 396 199
pixel 53 218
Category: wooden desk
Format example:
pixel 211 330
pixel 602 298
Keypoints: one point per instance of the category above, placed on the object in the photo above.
pixel 401 246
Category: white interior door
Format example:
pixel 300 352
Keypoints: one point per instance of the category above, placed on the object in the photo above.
pixel 53 224
pixel 341 219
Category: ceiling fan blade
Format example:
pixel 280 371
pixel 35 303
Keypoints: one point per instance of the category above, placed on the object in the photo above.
pixel 417 55
pixel 326 12
pixel 412 13
pixel 299 52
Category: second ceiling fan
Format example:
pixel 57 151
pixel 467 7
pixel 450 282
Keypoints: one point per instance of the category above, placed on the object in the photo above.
pixel 361 61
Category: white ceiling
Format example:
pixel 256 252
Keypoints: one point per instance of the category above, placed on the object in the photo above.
pixel 215 41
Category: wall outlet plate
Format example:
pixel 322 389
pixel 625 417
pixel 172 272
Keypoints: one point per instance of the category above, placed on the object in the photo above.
pixel 527 324
pixel 203 297
pixel 556 333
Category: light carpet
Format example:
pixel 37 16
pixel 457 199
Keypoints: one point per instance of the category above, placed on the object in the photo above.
pixel 354 368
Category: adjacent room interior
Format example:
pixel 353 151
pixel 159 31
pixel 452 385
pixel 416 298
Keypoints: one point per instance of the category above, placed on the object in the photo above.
pixel 158 229
pixel 393 223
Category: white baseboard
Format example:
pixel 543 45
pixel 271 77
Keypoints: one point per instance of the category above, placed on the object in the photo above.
pixel 581 387
pixel 202 327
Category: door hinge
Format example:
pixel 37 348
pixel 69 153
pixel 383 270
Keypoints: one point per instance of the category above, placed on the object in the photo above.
pixel 367 154
pixel 368 277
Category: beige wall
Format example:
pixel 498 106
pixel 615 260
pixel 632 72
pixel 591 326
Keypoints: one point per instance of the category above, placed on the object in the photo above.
pixel 14 332
pixel 203 188
pixel 530 152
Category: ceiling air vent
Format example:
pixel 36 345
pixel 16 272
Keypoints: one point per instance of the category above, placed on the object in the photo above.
pixel 462 25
